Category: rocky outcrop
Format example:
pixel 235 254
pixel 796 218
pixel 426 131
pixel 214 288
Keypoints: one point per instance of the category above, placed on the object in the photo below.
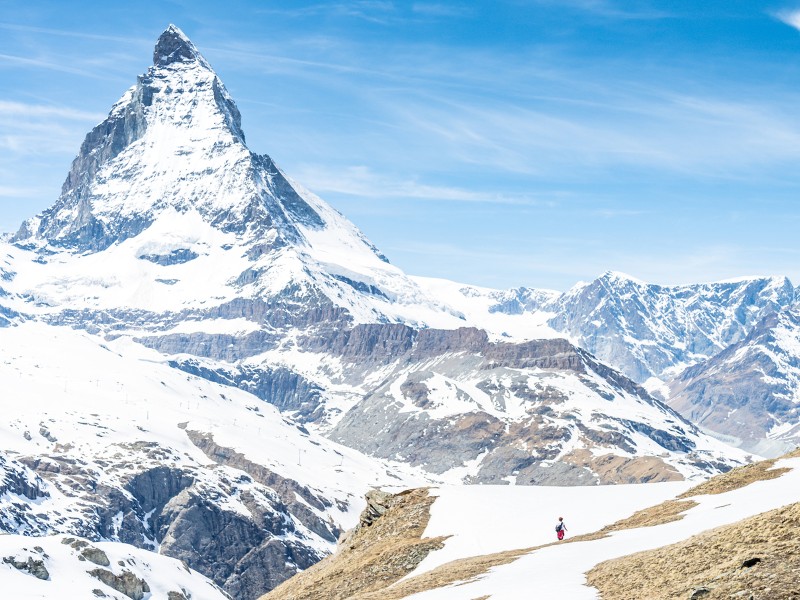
pixel 68 567
pixel 16 478
pixel 223 347
pixel 176 257
pixel 385 546
pixel 373 342
pixel 126 582
pixel 32 566
pixel 247 556
pixel 284 389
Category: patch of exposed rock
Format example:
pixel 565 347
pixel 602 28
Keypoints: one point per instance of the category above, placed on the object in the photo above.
pixel 126 582
pixel 32 566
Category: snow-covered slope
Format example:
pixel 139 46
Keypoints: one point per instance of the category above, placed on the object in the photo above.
pixel 66 567
pixel 750 391
pixel 106 441
pixel 525 518
pixel 517 314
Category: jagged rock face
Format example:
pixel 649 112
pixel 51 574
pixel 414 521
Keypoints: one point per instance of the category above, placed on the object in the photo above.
pixel 17 481
pixel 178 512
pixel 751 390
pixel 281 387
pixel 647 330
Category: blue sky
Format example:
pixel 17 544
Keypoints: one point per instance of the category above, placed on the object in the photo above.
pixel 500 143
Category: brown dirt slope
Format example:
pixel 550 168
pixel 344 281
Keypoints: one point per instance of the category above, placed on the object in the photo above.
pixel 372 557
pixel 740 477
pixel 755 559
pixel 452 572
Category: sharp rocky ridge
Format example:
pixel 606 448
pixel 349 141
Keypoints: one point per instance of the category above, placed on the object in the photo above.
pixel 206 359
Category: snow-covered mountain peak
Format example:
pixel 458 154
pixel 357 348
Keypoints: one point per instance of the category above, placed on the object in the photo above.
pixel 164 178
pixel 174 140
pixel 174 46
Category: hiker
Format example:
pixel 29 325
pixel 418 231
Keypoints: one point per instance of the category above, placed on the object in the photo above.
pixel 561 528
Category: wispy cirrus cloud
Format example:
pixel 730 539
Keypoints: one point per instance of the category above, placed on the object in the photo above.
pixel 656 129
pixel 609 8
pixel 361 181
pixel 432 9
pixel 790 17
pixel 27 61
pixel 34 129
pixel 376 11
pixel 24 110
pixel 74 34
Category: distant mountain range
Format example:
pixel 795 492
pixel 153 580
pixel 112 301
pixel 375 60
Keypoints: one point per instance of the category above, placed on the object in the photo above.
pixel 201 357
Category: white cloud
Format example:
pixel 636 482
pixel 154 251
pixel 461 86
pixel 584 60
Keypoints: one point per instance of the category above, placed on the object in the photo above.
pixel 790 17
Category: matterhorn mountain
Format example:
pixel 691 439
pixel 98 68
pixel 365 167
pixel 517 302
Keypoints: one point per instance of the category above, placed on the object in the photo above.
pixel 203 359
pixel 167 180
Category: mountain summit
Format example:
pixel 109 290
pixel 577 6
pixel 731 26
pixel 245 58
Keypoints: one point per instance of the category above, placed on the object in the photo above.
pixel 174 46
